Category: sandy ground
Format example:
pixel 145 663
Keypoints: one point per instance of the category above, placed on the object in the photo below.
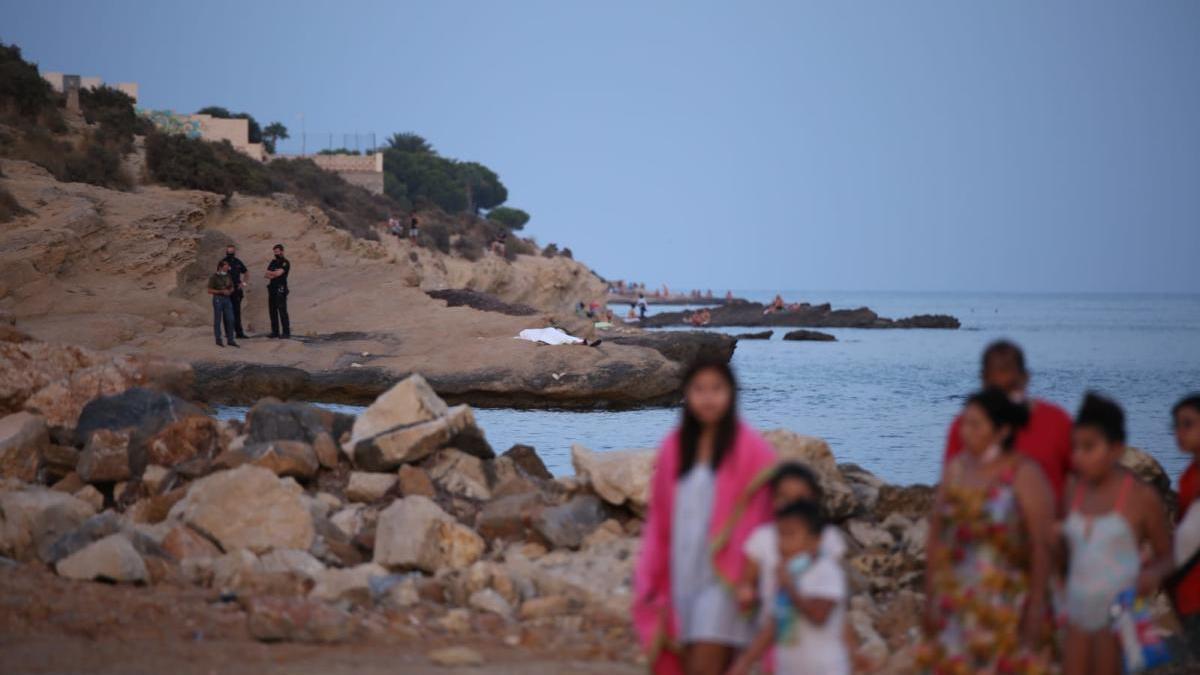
pixel 52 625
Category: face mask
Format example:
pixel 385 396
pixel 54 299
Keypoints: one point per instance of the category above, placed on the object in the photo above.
pixel 278 255
pixel 223 272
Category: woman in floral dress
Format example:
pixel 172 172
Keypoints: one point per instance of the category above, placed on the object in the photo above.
pixel 988 556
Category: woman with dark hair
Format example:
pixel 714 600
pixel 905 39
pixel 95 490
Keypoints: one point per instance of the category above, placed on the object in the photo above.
pixel 988 552
pixel 707 495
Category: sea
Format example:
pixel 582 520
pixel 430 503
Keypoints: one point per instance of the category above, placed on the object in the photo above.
pixel 884 399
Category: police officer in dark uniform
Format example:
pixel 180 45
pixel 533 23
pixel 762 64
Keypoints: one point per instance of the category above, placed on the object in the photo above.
pixel 277 292
pixel 237 272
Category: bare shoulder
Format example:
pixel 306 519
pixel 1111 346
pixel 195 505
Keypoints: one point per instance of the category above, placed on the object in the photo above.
pixel 1028 475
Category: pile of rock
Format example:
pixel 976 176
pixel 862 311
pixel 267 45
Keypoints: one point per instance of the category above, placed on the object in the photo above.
pixel 316 521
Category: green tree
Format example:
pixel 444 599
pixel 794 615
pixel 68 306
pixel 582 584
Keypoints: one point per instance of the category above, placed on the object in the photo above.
pixel 483 187
pixel 513 219
pixel 274 132
pixel 22 89
pixel 410 142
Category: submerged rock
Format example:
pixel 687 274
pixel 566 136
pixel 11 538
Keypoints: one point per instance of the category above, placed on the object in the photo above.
pixel 761 335
pixel 808 336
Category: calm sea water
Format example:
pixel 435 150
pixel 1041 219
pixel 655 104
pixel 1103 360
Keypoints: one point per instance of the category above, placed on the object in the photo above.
pixel 883 398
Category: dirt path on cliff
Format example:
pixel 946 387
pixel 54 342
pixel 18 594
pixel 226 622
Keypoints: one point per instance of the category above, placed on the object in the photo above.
pixel 52 625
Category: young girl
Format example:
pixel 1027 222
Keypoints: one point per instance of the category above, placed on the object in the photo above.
pixel 1110 515
pixel 707 494
pixel 1186 417
pixel 988 556
pixel 791 482
pixel 808 611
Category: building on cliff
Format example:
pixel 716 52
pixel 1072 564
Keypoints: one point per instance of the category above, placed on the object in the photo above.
pixel 365 171
pixel 63 83
pixel 216 129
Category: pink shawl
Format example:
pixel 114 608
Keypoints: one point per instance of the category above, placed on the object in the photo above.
pixel 740 505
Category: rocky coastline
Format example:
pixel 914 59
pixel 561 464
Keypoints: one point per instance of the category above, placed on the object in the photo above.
pixel 751 314
pixel 401 527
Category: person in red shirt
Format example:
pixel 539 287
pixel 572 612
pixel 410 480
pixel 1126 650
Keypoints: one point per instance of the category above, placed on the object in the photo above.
pixel 1186 591
pixel 1046 439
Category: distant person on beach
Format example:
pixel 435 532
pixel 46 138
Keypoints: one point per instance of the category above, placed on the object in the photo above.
pixel 394 226
pixel 1185 589
pixel 707 495
pixel 220 287
pixel 237 273
pixel 1112 518
pixel 777 305
pixel 641 305
pixel 807 618
pixel 414 230
pixel 631 315
pixel 1046 439
pixel 988 550
pixel 277 293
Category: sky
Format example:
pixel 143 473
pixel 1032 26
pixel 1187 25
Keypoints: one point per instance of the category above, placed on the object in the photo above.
pixel 998 146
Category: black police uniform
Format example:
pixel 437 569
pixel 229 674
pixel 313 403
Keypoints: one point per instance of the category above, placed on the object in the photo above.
pixel 277 292
pixel 236 269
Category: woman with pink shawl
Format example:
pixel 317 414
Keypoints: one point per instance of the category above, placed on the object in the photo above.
pixel 706 496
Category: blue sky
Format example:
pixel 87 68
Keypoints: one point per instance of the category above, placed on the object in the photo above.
pixel 1024 146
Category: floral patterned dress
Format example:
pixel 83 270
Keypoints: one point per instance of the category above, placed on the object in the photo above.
pixel 980 577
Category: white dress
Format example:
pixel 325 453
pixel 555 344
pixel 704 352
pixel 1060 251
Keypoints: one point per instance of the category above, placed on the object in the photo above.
pixel 706 609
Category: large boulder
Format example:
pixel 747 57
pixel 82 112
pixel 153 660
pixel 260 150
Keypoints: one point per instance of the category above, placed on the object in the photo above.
pixel 415 533
pixel 282 458
pixel 272 420
pixel 23 438
pixel 840 501
pixel 56 380
pixel 619 477
pixel 105 458
pixel 410 443
pixel 912 501
pixel 145 410
pixel 247 507
pixel 183 440
pixel 459 474
pixel 410 401
pixel 32 519
pixel 112 558
pixel 509 517
pixel 565 525
pixel 526 458
pixel 365 486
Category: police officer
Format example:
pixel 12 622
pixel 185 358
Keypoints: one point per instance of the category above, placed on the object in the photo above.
pixel 237 273
pixel 277 292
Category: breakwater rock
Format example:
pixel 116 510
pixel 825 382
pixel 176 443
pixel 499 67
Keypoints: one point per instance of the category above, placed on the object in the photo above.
pixel 802 315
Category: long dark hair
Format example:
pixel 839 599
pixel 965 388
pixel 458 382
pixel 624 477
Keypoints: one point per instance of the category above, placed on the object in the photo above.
pixel 1001 410
pixel 690 427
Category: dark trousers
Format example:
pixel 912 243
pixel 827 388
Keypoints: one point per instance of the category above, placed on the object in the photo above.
pixel 277 306
pixel 236 301
pixel 222 313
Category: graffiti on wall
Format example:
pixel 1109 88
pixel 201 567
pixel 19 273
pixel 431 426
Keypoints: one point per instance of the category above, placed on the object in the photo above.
pixel 172 122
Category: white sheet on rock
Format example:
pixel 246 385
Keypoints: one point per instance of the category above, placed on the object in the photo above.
pixel 550 336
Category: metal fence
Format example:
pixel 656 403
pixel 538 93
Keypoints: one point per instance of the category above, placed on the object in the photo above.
pixel 311 142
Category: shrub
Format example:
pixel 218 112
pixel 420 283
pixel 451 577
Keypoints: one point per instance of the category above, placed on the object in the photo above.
pixel 468 247
pixel 566 253
pixel 98 164
pixel 113 111
pixel 436 235
pixel 190 163
pixel 513 219
pixel 550 251
pixel 24 95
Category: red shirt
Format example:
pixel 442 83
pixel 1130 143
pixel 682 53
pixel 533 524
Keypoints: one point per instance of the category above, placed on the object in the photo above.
pixel 1187 593
pixel 1046 439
